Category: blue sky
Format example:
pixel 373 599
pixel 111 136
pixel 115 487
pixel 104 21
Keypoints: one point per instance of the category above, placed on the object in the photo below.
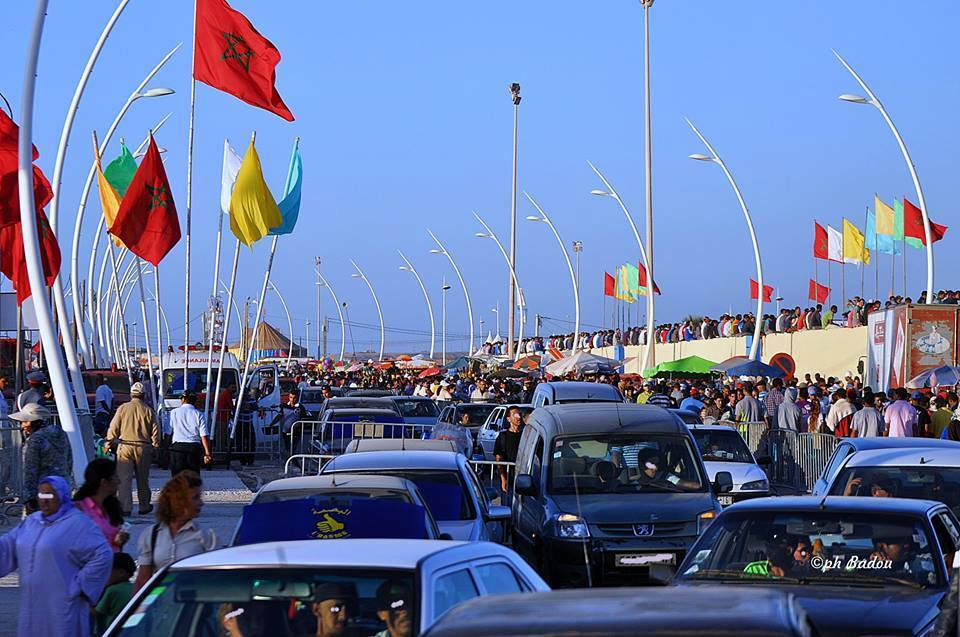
pixel 405 121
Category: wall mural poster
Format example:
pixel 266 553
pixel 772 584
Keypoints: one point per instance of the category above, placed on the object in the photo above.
pixel 932 339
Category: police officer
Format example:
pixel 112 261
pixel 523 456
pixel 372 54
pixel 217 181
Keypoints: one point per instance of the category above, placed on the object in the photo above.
pixel 36 388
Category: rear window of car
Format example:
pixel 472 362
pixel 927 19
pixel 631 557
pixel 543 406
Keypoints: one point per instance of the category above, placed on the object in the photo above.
pixel 443 490
pixel 418 408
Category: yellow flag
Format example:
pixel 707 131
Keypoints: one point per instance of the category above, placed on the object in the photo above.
pixel 854 250
pixel 885 216
pixel 109 199
pixel 623 285
pixel 253 210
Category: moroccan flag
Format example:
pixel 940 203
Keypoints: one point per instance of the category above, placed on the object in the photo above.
pixel 820 242
pixel 854 245
pixel 817 292
pixel 643 280
pixel 609 285
pixel 913 226
pixel 767 291
pixel 109 199
pixel 120 171
pixel 253 210
pixel 147 220
pixel 230 55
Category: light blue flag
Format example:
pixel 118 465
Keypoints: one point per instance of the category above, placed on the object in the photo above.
pixel 870 233
pixel 886 245
pixel 290 204
pixel 882 243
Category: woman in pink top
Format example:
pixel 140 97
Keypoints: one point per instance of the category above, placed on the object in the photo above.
pixel 97 497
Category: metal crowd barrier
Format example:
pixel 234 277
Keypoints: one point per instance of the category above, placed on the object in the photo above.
pixel 11 470
pixel 313 437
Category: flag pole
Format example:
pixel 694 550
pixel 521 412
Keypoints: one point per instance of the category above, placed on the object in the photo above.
pixel 865 253
pixel 214 296
pixel 223 340
pixel 904 265
pixel 186 292
pixel 146 332
pixel 117 293
pixel 31 249
pixel 157 310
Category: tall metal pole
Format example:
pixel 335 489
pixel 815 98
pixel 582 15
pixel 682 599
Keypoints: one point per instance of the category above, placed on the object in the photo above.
pixel 158 310
pixel 443 319
pixel 715 158
pixel 873 100
pixel 376 302
pixel 223 342
pixel 318 308
pixel 343 326
pixel 31 249
pixel 286 311
pixel 544 218
pixel 521 301
pixel 515 95
pixel 426 297
pixel 186 244
pixel 463 284
pixel 651 350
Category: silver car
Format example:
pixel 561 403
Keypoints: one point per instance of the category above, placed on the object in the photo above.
pixel 359 587
pixel 723 449
pixel 495 422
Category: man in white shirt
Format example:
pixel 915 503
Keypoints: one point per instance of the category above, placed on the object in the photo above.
pixel 103 406
pixel 444 393
pixel 481 394
pixel 191 440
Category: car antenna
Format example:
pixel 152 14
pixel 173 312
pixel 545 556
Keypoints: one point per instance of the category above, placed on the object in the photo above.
pixel 576 494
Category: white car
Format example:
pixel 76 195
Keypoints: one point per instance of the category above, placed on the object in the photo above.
pixel 723 449
pixel 495 422
pixel 921 474
pixel 285 588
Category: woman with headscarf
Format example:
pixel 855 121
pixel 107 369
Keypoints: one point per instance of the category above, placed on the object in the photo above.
pixel 63 560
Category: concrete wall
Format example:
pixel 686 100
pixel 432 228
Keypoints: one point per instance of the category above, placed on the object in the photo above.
pixel 831 352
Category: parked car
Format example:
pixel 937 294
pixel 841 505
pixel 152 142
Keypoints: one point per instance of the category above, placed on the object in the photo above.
pixel 706 610
pixel 447 482
pixel 858 566
pixel 337 427
pixel 362 445
pixel 922 474
pixel 724 449
pixel 343 490
pixel 847 447
pixel 560 393
pixel 369 393
pixel 494 424
pixel 609 493
pixel 470 415
pixel 417 410
pixel 276 584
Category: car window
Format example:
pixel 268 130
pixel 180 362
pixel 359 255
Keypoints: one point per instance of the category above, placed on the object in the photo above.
pixel 718 445
pixel 946 532
pixel 941 484
pixel 493 421
pixel 452 589
pixel 417 408
pixel 498 578
pixel 842 452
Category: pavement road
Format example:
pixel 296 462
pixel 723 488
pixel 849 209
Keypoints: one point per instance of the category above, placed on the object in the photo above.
pixel 224 496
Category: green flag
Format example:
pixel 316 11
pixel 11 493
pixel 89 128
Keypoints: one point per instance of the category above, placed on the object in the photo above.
pixel 897 220
pixel 633 279
pixel 120 171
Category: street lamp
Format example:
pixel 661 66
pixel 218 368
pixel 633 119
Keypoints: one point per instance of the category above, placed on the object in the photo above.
pixel 873 100
pixel 286 311
pixel 360 275
pixel 466 294
pixel 496 310
pixel 515 98
pixel 521 301
pixel 322 282
pixel 426 297
pixel 715 158
pixel 443 305
pixel 543 218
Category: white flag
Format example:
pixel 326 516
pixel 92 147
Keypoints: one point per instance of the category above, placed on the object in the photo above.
pixel 231 166
pixel 834 244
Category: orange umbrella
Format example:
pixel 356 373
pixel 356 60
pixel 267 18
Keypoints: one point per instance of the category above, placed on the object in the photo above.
pixel 431 371
pixel 527 362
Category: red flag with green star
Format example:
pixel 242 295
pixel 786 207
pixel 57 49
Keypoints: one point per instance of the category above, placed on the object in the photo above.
pixel 147 220
pixel 230 55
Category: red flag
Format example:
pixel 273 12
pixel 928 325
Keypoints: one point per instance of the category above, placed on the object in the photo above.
pixel 820 242
pixel 643 279
pixel 609 285
pixel 767 291
pixel 147 220
pixel 12 262
pixel 913 224
pixel 230 55
pixel 817 292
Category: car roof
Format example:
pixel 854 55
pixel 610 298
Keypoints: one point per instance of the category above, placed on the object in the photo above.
pixel 912 457
pixel 354 411
pixel 474 405
pixel 862 444
pixel 409 459
pixel 583 418
pixel 354 553
pixel 582 390
pixel 368 445
pixel 851 504
pixel 620 611
pixel 694 427
pixel 340 481
pixel 417 398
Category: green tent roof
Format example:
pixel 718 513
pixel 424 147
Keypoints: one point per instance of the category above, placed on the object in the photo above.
pixel 683 366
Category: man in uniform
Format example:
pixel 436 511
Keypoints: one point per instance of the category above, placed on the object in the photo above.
pixel 35 390
pixel 46 451
pixel 135 433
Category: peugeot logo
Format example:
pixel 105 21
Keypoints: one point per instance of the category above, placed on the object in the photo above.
pixel 643 530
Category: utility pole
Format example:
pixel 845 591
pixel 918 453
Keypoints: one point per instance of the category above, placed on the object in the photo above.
pixel 515 96
pixel 536 325
pixel 244 344
pixel 326 328
pixel 320 324
pixel 443 314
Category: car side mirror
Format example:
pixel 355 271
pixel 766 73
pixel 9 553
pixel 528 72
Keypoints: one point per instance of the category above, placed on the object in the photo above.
pixel 723 483
pixel 498 513
pixel 523 484
pixel 764 460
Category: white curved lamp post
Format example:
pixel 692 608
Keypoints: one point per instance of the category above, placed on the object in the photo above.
pixel 286 311
pixel 336 301
pixel 426 297
pixel 360 275
pixel 466 294
pixel 521 301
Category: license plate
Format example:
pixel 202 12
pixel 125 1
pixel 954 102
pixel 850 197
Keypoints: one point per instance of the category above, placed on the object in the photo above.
pixel 725 500
pixel 645 559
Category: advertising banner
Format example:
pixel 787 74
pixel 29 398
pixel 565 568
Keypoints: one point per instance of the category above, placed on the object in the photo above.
pixel 932 338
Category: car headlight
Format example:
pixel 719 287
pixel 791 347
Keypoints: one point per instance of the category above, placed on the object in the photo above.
pixel 570 526
pixel 756 485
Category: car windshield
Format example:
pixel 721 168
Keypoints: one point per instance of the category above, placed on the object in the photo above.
pixel 717 445
pixel 941 484
pixel 297 494
pixel 847 549
pixel 636 463
pixel 475 415
pixel 275 601
pixel 418 408
pixel 443 491
pixel 197 380
pixel 311 397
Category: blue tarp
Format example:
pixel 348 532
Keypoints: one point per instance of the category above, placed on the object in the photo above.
pixel 325 518
pixel 749 368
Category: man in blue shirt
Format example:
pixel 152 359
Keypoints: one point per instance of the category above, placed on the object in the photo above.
pixel 692 402
pixel 191 439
